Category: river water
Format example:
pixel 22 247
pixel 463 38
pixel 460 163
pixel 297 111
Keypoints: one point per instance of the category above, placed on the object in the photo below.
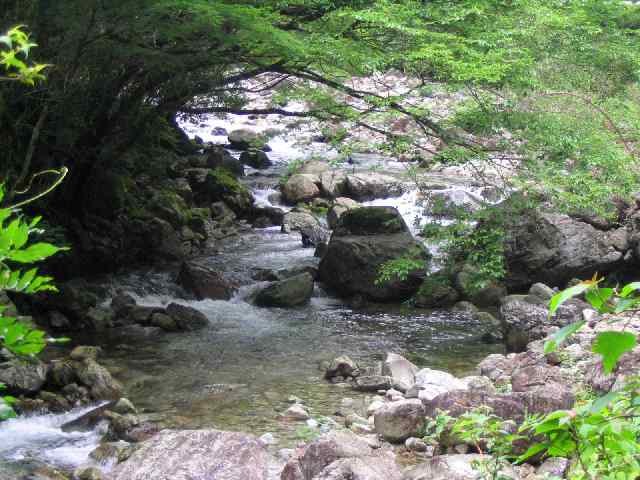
pixel 239 373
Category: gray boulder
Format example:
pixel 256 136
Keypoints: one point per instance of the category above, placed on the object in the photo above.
pixel 196 455
pixel 244 139
pixel 310 228
pixel 363 240
pixel 204 282
pixel 553 248
pixel 187 318
pixel 397 421
pixel 219 157
pixel 101 385
pixel 333 183
pixel 256 159
pixel 340 455
pixel 429 383
pixel 340 205
pixel 290 292
pixel 371 185
pixel 401 370
pixel 23 376
pixel 525 318
pixel 301 187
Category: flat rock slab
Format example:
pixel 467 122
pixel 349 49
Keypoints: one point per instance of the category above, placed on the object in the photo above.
pixel 196 455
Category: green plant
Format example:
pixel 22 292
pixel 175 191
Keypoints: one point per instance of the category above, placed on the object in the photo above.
pixel 400 268
pixel 488 434
pixel 602 434
pixel 15 55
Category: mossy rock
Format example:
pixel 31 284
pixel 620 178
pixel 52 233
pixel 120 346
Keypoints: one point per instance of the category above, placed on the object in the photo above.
pixel 436 292
pixel 371 221
pixel 171 207
pixel 105 194
pixel 223 186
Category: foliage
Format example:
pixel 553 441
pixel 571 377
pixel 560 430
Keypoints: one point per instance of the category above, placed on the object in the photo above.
pixel 474 239
pixel 483 431
pixel 400 268
pixel 609 344
pixel 16 48
pixel 603 435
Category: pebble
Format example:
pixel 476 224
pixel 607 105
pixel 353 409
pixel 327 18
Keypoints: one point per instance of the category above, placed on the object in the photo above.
pixel 415 445
pixel 268 439
pixel 297 412
pixel 374 406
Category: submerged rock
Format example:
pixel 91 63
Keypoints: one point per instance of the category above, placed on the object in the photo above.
pixel 341 366
pixel 290 292
pixel 196 455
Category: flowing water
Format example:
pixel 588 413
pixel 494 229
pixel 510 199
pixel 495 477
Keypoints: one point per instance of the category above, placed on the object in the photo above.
pixel 238 373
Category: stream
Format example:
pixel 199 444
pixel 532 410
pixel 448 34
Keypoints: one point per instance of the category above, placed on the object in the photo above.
pixel 239 373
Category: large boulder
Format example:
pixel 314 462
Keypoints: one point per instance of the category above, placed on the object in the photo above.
pixel 341 455
pixel 218 185
pixel 290 292
pixel 310 228
pixel 508 406
pixel 301 187
pixel 23 376
pixel 333 183
pixel 220 158
pixel 204 282
pixel 196 455
pixel 101 385
pixel 244 139
pixel 187 318
pixel 397 421
pixel 429 383
pixel 401 370
pixel 363 240
pixel 447 203
pixel 526 318
pixel 371 185
pixel 340 205
pixel 256 159
pixel 554 248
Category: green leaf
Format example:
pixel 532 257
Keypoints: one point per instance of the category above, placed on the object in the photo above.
pixel 612 345
pixel 604 401
pixel 561 335
pixel 561 297
pixel 533 450
pixel 630 288
pixel 34 253
pixel 598 298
